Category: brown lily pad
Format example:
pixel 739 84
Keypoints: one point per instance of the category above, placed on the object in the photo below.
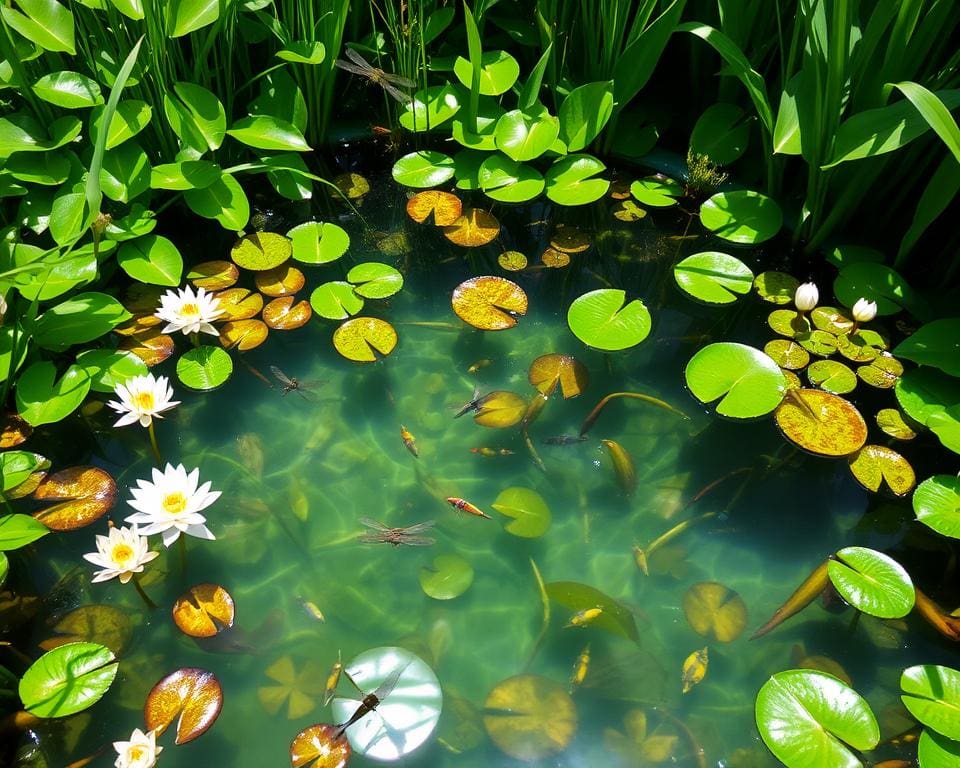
pixel 500 409
pixel 283 315
pixel 473 228
pixel 138 324
pixel 444 208
pixel 190 695
pixel 102 624
pixel 489 303
pixel 549 370
pixel 204 610
pixel 14 431
pixel 284 280
pixel 716 611
pixel 554 259
pixel 260 251
pixel 530 717
pixel 821 422
pixel 243 334
pixel 214 275
pixel 570 240
pixel 150 345
pixel 82 495
pixel 512 261
pixel 298 689
pixel 875 464
pixel 363 338
pixel 239 304
pixel 319 747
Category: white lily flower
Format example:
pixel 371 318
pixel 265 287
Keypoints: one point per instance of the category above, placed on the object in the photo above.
pixel 806 297
pixel 142 398
pixel 189 312
pixel 171 504
pixel 140 752
pixel 123 552
pixel 864 311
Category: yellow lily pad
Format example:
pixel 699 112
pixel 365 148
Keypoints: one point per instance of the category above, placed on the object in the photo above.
pixel 138 324
pixel 832 376
pixel 82 495
pixel 891 421
pixel 238 304
pixel 714 610
pixel 214 275
pixel 512 261
pixel 244 334
pixel 530 717
pixel 260 251
pixel 149 345
pixel 874 464
pixel 14 430
pixel 570 240
pixel 319 746
pixel 554 259
pixel 102 624
pixel 191 696
pixel 788 322
pixel 821 422
pixel 787 354
pixel 473 228
pixel 883 372
pixel 489 303
pixel 776 287
pixel 283 315
pixel 362 338
pixel 549 370
pixel 353 185
pixel 299 689
pixel 284 280
pixel 500 409
pixel 793 381
pixel 629 211
pixel 204 610
pixel 443 207
pixel 831 320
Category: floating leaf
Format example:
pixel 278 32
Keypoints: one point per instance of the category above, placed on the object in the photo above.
pixel 874 464
pixel 832 320
pixel 373 280
pixel 821 423
pixel 570 240
pixel 872 582
pixel 714 610
pixel 498 72
pixel 500 409
pixel 530 717
pixel 832 376
pixel 807 718
pixel 192 696
pixel 932 695
pixel 741 216
pixel 489 303
pixel 353 185
pixel 423 169
pixel 874 282
pixel 335 300
pixel 526 134
pixel 656 191
pixel 150 345
pixel 260 251
pixel 283 315
pixel 925 392
pixel 204 368
pixel 243 334
pixel 103 624
pixel 857 347
pixel 883 371
pixel 204 610
pixel 937 751
pixel 713 277
pixel 820 343
pixel 475 227
pixel 14 430
pixel 627 210
pixel 319 747
pixel 787 354
pixel 512 261
pixel 318 243
pixel 554 259
pixel 571 180
pixel 776 287
pixel 788 322
pixel 449 577
pixel 614 617
pixel 284 280
pixel 934 344
pixel 891 421
pixel 549 370
pixel 937 504
pixel 298 689
pixel 748 381
pixel 442 208
pixel 18 530
pixel 362 338
pixel 67 679
pixel 530 513
pixel 601 319
pixel 82 495
pixel 238 304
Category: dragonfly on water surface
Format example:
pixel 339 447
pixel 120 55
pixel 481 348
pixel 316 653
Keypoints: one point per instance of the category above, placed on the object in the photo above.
pixel 291 384
pixel 386 80
pixel 372 700
pixel 380 533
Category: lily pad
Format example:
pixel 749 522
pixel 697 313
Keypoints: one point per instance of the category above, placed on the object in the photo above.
pixel 150 345
pixel 857 347
pixel 283 315
pixel 713 277
pixel 103 624
pixel 425 168
pixel 238 304
pixel 882 373
pixel 489 303
pixel 530 717
pixel 601 319
pixel 204 368
pixel 352 185
pixel 243 334
pixel 509 181
pixel 613 617
pixel 530 513
pixel 932 695
pixel 721 133
pixel 937 751
pixel 787 354
pixel 442 208
pixel 742 216
pixel 299 688
pixel 821 423
pixel 319 746
pixel 572 180
pixel 748 381
pixel 872 582
pixel 449 577
pixel 832 320
pixel 554 259
pixel 936 344
pixel 832 376
pixel 512 261
pixel 628 211
pixel 500 409
pixel 526 135
pixel 875 282
pixel 109 367
pixel 317 242
pixel 891 421
pixel 715 611
pixel 474 228
pixel 937 504
pixel 549 370
pixel 335 300
pixel 261 250
pixel 284 280
pixel 808 718
pixel 204 610
pixel 67 679
pixel 430 107
pixel 924 392
pixel 373 280
pixel 819 343
pixel 82 495
pixel 570 239
pixel 656 191
pixel 363 338
pixel 788 322
pixel 191 696
pixel 874 464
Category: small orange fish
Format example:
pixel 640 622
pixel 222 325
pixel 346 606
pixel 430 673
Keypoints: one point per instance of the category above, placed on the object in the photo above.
pixel 332 679
pixel 409 441
pixel 492 451
pixel 465 506
pixel 479 365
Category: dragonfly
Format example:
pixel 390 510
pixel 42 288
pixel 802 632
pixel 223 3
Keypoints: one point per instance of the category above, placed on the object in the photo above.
pixel 380 533
pixel 291 384
pixel 386 80
pixel 371 700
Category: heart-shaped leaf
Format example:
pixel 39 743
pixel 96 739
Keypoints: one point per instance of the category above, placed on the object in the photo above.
pixel 500 409
pixel 204 610
pixel 191 696
pixel 821 423
pixel 261 251
pixel 530 717
pixel 748 381
pixel 530 513
pixel 932 695
pixel 937 504
pixel 319 746
pixel 489 303
pixel 363 338
pixel 335 300
pixel 67 679
pixel 874 464
pixel 475 227
pixel 318 243
pixel 423 169
pixel 613 616
pixel 204 368
pixel 449 577
pixel 602 319
pixel 549 370
pixel 243 334
pixel 713 277
pixel 283 315
pixel 214 275
pixel 715 611
pixel 81 495
pixel 373 280
pixel 872 582
pixel 742 216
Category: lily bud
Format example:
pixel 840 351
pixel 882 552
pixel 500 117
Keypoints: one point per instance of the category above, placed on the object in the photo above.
pixel 864 311
pixel 806 297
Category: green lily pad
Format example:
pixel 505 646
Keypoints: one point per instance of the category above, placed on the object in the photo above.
pixel 819 343
pixel 936 503
pixel 713 277
pixel 742 216
pixel 748 381
pixel 936 344
pixel 530 513
pixel 204 368
pixel 883 372
pixel 449 577
pixel 937 751
pixel 875 282
pixel 572 180
pixel 656 191
pixel 788 322
pixel 613 617
pixel 42 398
pixel 932 695
pixel 832 376
pixel 864 346
pixel 335 300
pixel 821 422
pixel 374 280
pixel 485 136
pixel 260 251
pixel 525 136
pixel 109 367
pixel 925 392
pixel 498 72
pixel 430 107
pixel 508 181
pixel 363 338
pixel 17 466
pixel 67 679
pixel 874 464
pixel 466 168
pixel 317 242
pixel 807 718
pixel 833 320
pixel 787 354
pixel 776 287
pixel 423 169
pixel 946 426
pixel 891 421
pixel 601 320
pixel 872 582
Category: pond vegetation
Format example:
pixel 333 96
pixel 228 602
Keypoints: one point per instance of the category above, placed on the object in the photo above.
pixel 429 382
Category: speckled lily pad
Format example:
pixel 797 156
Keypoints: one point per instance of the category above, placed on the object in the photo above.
pixel 787 354
pixel 821 422
pixel 882 372
pixel 891 421
pixel 788 322
pixel 832 376
pixel 874 464
pixel 776 287
pixel 819 343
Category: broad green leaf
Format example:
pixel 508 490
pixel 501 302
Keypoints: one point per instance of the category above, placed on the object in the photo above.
pixel 63 275
pixel 748 381
pixel 807 718
pixel 936 751
pixel 742 216
pixel 576 597
pixel 936 344
pixel 936 503
pixel 448 577
pixel 19 530
pixel 109 367
pixel 721 133
pixel 204 368
pixel 713 277
pixel 132 116
pixel 223 200
pixel 196 116
pixel 270 133
pixel 17 466
pixel 509 181
pixel 525 136
pixel 932 695
pixel 498 72
pixel 485 136
pixel 49 168
pixel 289 176
pixel 317 242
pixel 430 107
pixel 44 22
pixel 923 392
pixel 137 223
pixel 67 679
pixel 639 59
pixel 83 317
pixel 186 16
pixel 373 280
pixel 22 133
pixel 125 172
pixel 302 52
pixel 946 426
pixel 44 399
pixel 335 300
pixel 69 90
pixel 281 97
pixel 530 513
pixel 656 191
pixel 68 217
pixel 572 180
pixel 584 113
pixel 132 9
pixel 151 259
pixel 187 174
pixel 872 582
pixel 602 320
pixel 423 169
pixel 7 365
pixel 875 282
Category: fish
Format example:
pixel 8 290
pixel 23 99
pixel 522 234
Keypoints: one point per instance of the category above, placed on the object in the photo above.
pixel 465 506
pixel 584 617
pixel 492 451
pixel 622 466
pixel 580 668
pixel 564 439
pixel 695 668
pixel 332 680
pixel 313 611
pixel 479 365
pixel 409 441
pixel 473 405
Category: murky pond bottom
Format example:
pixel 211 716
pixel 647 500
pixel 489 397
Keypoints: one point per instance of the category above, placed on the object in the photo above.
pixel 298 472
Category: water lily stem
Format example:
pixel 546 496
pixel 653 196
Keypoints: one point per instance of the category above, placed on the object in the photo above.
pixel 195 340
pixel 146 598
pixel 182 547
pixel 154 444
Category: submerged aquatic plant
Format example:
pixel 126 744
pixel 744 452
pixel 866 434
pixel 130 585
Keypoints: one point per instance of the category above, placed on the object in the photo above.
pixel 141 399
pixel 171 504
pixel 141 751
pixel 703 175
pixel 189 312
pixel 121 553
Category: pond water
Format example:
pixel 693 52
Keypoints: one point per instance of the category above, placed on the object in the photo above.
pixel 298 473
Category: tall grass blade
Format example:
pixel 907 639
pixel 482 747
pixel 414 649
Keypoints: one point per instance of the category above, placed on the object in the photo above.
pixel 531 89
pixel 640 58
pixel 939 193
pixel 935 112
pixel 475 52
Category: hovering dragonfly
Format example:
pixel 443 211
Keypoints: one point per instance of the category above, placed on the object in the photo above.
pixel 386 80
pixel 291 384
pixel 372 700
pixel 384 534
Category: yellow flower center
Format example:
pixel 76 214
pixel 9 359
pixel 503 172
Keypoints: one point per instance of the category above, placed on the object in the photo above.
pixel 190 310
pixel 144 401
pixel 121 554
pixel 135 752
pixel 174 503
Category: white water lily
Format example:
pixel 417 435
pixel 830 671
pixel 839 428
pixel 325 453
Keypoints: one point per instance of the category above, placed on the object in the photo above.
pixel 864 311
pixel 140 752
pixel 171 504
pixel 142 398
pixel 806 297
pixel 122 552
pixel 189 312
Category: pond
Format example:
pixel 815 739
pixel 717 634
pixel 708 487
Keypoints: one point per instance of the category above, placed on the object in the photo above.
pixel 300 471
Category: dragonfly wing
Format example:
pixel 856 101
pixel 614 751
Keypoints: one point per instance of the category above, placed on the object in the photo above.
pixel 375 524
pixel 281 376
pixel 419 527
pixel 348 67
pixel 418 541
pixel 357 59
pixel 403 98
pixel 403 82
